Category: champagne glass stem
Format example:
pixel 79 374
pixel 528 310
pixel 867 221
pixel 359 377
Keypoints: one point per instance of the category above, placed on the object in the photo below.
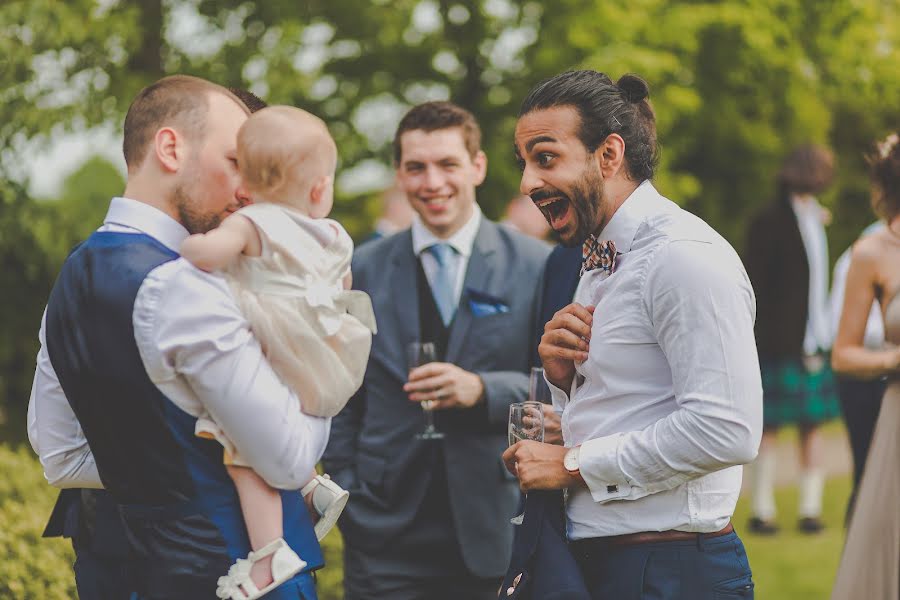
pixel 429 419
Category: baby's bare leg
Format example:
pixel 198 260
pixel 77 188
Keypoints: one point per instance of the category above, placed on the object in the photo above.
pixel 261 507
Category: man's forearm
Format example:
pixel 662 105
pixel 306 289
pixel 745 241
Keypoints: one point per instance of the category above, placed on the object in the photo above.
pixel 672 451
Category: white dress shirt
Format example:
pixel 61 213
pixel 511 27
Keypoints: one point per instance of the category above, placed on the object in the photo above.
pixel 811 221
pixel 461 241
pixel 669 401
pixel 197 349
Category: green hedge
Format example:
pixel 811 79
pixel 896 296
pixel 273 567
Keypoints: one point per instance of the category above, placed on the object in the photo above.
pixel 34 568
pixel 30 566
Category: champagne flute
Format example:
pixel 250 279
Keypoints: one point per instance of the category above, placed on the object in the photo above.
pixel 526 422
pixel 538 390
pixel 418 354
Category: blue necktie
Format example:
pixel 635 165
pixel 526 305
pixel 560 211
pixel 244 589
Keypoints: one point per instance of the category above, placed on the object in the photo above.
pixel 443 284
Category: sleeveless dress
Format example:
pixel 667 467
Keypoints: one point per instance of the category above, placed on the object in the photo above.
pixel 870 565
pixel 315 334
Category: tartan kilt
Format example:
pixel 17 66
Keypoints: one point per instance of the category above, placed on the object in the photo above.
pixel 792 395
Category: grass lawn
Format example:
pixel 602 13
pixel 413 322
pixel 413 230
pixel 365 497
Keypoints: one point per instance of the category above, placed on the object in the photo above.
pixel 790 565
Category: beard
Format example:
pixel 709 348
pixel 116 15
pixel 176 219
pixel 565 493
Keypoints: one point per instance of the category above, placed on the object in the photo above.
pixel 587 199
pixel 194 220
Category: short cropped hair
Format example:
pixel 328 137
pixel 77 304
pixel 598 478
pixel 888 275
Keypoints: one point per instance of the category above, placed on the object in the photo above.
pixel 434 116
pixel 178 101
pixel 250 100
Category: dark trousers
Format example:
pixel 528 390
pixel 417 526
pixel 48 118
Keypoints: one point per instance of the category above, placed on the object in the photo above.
pixel 702 569
pixel 416 587
pixel 423 563
pixel 860 404
pixel 100 577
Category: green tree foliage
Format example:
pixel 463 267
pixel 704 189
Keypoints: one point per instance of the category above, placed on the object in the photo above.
pixel 735 84
pixel 65 65
pixel 35 237
pixel 26 272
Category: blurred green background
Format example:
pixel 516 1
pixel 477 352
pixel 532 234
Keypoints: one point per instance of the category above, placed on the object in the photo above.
pixel 735 85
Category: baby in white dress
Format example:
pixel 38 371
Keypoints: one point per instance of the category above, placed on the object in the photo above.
pixel 289 268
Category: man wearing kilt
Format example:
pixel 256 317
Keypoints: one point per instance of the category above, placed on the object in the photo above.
pixel 787 260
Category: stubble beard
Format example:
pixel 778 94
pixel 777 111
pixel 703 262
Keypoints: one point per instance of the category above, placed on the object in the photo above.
pixel 190 217
pixel 588 200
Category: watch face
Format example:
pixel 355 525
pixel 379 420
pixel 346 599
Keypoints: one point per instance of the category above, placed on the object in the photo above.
pixel 570 460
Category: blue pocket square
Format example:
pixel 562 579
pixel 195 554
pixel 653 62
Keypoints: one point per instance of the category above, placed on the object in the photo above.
pixel 483 305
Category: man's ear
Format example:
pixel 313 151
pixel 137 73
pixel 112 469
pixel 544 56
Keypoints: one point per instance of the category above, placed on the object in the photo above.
pixel 319 188
pixel 169 149
pixel 610 155
pixel 479 161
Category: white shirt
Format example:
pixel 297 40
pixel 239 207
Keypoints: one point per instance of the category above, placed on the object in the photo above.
pixel 811 221
pixel 461 241
pixel 669 401
pixel 874 336
pixel 198 350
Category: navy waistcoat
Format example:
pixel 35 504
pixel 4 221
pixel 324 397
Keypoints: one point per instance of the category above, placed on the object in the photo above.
pixel 181 511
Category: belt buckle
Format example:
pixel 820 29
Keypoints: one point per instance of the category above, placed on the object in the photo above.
pixel 813 363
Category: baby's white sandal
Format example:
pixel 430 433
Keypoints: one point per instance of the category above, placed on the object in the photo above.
pixel 329 500
pixel 238 585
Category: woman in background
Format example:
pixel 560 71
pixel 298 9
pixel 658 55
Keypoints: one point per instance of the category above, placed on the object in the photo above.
pixel 870 565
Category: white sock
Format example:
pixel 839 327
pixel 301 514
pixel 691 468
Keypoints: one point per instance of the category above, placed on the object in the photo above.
pixel 812 487
pixel 764 485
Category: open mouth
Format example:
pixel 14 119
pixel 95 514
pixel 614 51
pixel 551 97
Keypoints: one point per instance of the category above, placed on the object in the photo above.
pixel 555 210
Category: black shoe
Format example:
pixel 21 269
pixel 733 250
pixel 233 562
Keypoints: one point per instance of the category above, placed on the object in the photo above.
pixel 762 527
pixel 810 525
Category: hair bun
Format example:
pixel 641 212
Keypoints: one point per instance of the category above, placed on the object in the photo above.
pixel 634 88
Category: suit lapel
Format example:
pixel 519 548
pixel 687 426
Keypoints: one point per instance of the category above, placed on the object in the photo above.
pixel 404 312
pixel 479 274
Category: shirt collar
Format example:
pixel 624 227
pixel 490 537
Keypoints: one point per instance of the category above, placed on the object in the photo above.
pixel 461 241
pixel 809 209
pixel 146 219
pixel 624 223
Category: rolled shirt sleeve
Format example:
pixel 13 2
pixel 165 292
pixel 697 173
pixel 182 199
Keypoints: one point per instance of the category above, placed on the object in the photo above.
pixel 701 308
pixel 198 349
pixel 54 431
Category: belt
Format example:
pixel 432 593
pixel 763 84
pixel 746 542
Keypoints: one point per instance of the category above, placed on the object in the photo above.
pixel 590 545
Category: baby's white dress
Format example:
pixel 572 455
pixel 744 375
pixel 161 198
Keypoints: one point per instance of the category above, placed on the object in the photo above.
pixel 315 334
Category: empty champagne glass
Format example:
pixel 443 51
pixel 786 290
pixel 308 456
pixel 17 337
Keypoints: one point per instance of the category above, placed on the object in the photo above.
pixel 526 422
pixel 418 354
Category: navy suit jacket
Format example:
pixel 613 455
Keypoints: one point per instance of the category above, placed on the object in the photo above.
pixel 542 568
pixel 561 277
pixel 373 451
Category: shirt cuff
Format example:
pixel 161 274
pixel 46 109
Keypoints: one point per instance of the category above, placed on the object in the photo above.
pixel 559 397
pixel 599 466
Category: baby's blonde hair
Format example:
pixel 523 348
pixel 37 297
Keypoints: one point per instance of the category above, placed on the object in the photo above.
pixel 281 151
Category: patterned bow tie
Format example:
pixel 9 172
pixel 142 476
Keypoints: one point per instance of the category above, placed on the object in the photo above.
pixel 598 255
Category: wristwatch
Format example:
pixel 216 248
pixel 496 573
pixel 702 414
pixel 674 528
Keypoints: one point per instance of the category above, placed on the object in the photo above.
pixel 570 461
